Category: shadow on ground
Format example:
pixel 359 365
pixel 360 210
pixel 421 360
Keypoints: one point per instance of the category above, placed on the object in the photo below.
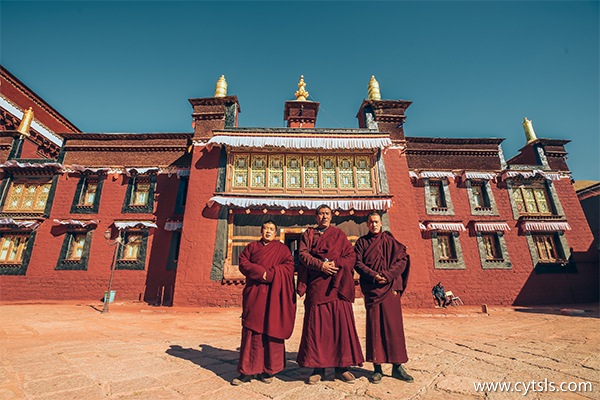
pixel 223 363
pixel 589 312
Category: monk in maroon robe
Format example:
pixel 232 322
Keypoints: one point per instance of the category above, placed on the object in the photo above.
pixel 383 265
pixel 269 306
pixel 329 337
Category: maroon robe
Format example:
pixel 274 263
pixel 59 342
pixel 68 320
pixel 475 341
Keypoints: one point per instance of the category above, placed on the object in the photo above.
pixel 269 307
pixel 382 254
pixel 329 337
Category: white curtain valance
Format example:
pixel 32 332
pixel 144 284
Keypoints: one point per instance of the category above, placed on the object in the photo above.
pixel 183 172
pixel 479 175
pixel 491 226
pixel 19 223
pixel 173 225
pixel 546 226
pixel 75 222
pixel 14 163
pixel 140 171
pixel 554 176
pixel 302 142
pixel 335 204
pixel 81 168
pixel 431 174
pixel 120 225
pixel 445 226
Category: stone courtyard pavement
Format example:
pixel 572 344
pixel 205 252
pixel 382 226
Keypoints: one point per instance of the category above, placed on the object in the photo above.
pixel 69 350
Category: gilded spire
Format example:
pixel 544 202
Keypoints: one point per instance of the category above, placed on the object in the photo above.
pixel 221 90
pixel 25 124
pixel 529 132
pixel 301 94
pixel 374 93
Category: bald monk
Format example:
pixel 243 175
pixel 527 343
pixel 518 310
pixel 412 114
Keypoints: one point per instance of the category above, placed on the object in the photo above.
pixel 269 307
pixel 383 265
pixel 329 337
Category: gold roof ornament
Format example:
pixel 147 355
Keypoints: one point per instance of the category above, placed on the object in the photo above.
pixel 301 94
pixel 221 89
pixel 25 124
pixel 529 132
pixel 374 93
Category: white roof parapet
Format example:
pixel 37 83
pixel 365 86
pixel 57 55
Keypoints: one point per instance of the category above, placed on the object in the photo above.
pixel 42 129
pixel 335 204
pixel 446 226
pixel 20 223
pixel 554 176
pixel 120 225
pixel 326 142
pixel 491 226
pixel 546 226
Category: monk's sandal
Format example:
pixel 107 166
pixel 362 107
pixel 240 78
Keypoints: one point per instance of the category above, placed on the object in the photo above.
pixel 345 376
pixel 240 380
pixel 399 373
pixel 376 377
pixel 316 377
pixel 266 378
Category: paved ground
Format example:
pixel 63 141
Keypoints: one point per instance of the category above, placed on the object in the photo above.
pixel 71 351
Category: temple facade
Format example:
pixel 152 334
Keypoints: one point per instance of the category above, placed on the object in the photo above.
pixel 164 216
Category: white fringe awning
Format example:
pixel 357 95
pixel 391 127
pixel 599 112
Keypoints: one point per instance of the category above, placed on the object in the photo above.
pixel 546 226
pixel 173 225
pixel 120 225
pixel 335 204
pixel 554 176
pixel 183 172
pixel 140 171
pixel 81 168
pixel 14 163
pixel 445 226
pixel 479 175
pixel 413 175
pixel 302 142
pixel 19 223
pixel 431 174
pixel 491 226
pixel 76 222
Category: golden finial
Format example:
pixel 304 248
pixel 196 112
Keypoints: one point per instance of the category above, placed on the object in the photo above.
pixel 529 132
pixel 301 93
pixel 374 93
pixel 25 124
pixel 221 90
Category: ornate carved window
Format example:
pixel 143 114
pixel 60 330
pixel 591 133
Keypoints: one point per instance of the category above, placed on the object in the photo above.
pixel 532 200
pixel 446 247
pixel 140 194
pixel 546 247
pixel 87 195
pixel 281 173
pixel 30 196
pixel 132 253
pixel 75 251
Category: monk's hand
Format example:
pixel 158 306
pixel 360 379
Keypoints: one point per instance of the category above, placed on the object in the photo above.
pixel 329 268
pixel 380 279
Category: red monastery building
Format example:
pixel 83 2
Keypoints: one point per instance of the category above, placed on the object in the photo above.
pixel 184 205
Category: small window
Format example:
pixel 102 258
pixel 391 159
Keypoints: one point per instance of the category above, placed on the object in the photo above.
pixel 546 248
pixel 491 244
pixel 446 247
pixel 140 194
pixel 480 197
pixel 76 247
pixel 131 249
pixel 12 248
pixel 88 196
pixel 438 198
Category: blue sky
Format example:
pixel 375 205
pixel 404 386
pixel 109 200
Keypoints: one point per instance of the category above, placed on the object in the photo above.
pixel 472 69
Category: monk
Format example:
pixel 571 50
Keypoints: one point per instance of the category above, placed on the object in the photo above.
pixel 383 265
pixel 325 275
pixel 268 307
